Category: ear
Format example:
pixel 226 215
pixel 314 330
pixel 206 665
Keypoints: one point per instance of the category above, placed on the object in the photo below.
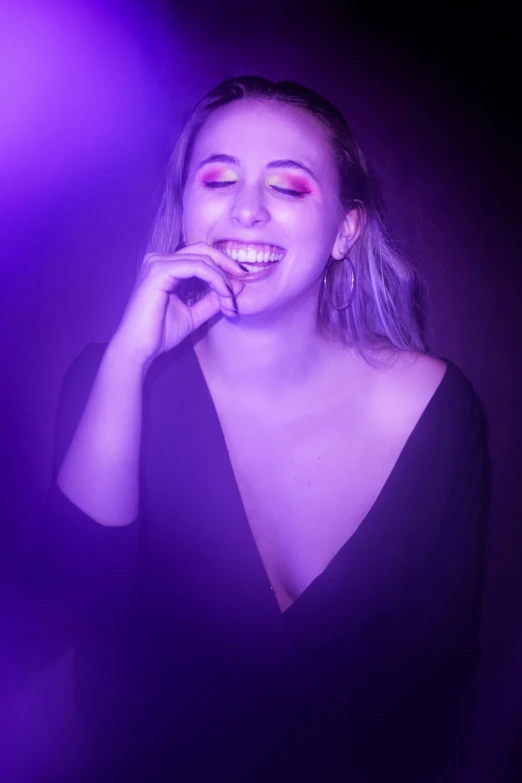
pixel 349 231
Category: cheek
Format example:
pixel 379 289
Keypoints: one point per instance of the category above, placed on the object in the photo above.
pixel 200 211
pixel 313 235
pixel 306 222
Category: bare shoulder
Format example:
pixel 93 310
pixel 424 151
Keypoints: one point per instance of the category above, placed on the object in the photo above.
pixel 420 371
pixel 405 386
pixel 410 367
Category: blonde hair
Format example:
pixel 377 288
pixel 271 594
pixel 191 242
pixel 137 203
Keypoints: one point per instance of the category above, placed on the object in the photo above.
pixel 386 309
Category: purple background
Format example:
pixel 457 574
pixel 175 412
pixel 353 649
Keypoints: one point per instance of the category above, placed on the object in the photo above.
pixel 94 99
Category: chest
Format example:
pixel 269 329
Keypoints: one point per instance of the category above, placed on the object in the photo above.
pixel 307 485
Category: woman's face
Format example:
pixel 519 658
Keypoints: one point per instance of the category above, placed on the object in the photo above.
pixel 261 180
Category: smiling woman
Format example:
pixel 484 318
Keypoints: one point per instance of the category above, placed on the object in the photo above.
pixel 386 293
pixel 263 536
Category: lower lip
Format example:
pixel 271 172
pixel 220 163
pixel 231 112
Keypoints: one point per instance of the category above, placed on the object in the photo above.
pixel 253 277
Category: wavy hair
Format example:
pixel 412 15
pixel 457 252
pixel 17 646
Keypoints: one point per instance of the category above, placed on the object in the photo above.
pixel 387 306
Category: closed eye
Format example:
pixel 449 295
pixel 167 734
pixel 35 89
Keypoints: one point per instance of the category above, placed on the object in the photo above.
pixel 222 184
pixel 295 193
pixel 286 191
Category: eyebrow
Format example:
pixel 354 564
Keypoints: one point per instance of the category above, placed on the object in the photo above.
pixel 274 164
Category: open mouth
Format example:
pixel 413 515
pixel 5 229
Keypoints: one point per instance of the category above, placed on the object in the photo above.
pixel 255 269
pixel 255 257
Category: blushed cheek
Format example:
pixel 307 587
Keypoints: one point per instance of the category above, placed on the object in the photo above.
pixel 209 212
pixel 200 215
pixel 300 223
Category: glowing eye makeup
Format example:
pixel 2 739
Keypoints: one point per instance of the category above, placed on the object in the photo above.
pixel 216 177
pixel 289 182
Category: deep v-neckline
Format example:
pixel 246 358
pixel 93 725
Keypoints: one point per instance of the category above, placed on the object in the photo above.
pixel 361 530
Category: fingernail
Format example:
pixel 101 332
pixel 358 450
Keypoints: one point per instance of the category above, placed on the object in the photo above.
pixel 232 294
pixel 244 268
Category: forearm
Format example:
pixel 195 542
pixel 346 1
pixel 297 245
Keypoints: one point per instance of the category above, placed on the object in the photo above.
pixel 100 471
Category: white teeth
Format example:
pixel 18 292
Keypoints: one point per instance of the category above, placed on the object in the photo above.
pixel 251 256
pixel 259 269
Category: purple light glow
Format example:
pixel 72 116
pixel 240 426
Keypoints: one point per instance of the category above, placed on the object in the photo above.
pixel 73 92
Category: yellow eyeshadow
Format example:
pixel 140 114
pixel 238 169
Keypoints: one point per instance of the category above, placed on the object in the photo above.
pixel 229 174
pixel 276 180
pixel 221 175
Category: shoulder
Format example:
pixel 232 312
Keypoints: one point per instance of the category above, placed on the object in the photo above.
pixel 418 382
pixel 404 386
pixel 418 374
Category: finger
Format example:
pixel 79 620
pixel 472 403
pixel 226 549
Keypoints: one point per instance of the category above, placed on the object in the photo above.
pixel 168 273
pixel 203 250
pixel 208 307
pixel 219 257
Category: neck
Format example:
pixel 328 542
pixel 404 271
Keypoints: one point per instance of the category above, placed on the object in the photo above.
pixel 261 361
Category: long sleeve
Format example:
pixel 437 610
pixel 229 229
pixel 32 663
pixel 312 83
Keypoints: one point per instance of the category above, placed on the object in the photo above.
pixel 81 573
pixel 436 638
pixel 492 750
pixel 427 652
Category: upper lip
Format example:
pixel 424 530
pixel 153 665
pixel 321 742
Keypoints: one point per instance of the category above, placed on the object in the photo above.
pixel 250 242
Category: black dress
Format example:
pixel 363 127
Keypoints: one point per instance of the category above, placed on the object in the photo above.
pixel 186 668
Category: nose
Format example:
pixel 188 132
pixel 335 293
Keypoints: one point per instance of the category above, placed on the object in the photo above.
pixel 248 207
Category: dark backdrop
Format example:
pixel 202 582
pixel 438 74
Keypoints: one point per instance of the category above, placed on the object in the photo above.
pixel 92 103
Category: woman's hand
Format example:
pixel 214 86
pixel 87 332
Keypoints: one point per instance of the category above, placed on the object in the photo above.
pixel 155 319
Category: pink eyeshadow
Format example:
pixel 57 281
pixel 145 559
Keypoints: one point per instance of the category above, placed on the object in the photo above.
pixel 298 183
pixel 217 173
pixel 291 181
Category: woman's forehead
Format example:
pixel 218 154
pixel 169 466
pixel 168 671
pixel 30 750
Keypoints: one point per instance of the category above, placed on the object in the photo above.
pixel 247 127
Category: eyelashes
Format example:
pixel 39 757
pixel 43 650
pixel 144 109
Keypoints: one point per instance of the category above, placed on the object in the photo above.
pixel 285 191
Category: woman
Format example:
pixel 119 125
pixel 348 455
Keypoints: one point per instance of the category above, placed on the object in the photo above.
pixel 268 498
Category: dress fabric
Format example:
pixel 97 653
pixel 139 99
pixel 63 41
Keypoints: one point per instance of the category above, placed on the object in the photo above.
pixel 186 669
